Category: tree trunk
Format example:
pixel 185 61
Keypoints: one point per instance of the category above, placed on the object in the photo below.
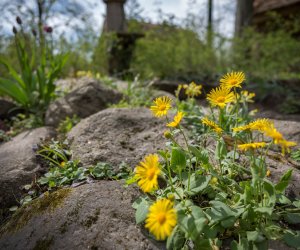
pixel 210 23
pixel 244 14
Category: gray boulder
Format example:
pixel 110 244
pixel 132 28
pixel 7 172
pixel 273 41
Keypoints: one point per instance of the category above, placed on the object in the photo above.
pixel 116 135
pixel 83 101
pixel 69 84
pixel 18 164
pixel 92 216
pixel 289 129
pixel 279 165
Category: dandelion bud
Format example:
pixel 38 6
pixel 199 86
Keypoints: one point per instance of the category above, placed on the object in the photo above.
pixel 15 30
pixel 167 134
pixel 48 29
pixel 33 32
pixel 19 21
pixel 213 181
pixel 171 197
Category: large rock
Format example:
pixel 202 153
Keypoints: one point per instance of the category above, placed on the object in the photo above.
pixel 116 135
pixel 92 216
pixel 83 101
pixel 279 165
pixel 67 85
pixel 18 164
pixel 289 129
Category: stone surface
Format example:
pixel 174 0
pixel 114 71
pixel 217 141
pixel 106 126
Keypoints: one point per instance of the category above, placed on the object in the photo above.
pixel 159 93
pixel 278 166
pixel 18 164
pixel 67 85
pixel 92 216
pixel 289 129
pixel 116 135
pixel 87 99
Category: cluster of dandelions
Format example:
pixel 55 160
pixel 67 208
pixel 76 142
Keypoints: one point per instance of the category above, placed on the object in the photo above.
pixel 224 96
pixel 162 216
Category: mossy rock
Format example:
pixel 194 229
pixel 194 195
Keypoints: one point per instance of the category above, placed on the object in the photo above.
pixel 92 216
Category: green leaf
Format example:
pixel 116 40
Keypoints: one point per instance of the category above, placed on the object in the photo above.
pixel 176 240
pixel 292 240
pixel 13 90
pixel 197 183
pixel 283 199
pixel 264 210
pixel 212 231
pixel 297 203
pixel 242 245
pixel 292 218
pixel 273 232
pixel 262 245
pixel 202 155
pixel 270 190
pixel 142 206
pixel 255 236
pixel 284 181
pixel 202 244
pixel 229 222
pixel 131 180
pixel 220 211
pixel 178 159
pixel 233 155
pixel 192 221
pixel 221 150
pixel 13 209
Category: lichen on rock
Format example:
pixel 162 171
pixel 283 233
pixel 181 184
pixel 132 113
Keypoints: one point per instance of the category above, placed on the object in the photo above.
pixel 48 202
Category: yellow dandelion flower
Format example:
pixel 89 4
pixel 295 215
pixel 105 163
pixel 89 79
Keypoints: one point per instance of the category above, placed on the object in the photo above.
pixel 192 89
pixel 268 173
pixel 274 134
pixel 220 97
pixel 62 164
pixel 247 97
pixel 178 90
pixel 232 80
pixel 161 219
pixel 253 112
pixel 147 172
pixel 241 128
pixel 285 145
pixel 261 125
pixel 212 125
pixel 178 117
pixel 161 107
pixel 253 145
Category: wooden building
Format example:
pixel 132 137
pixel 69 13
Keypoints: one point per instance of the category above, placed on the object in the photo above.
pixel 285 8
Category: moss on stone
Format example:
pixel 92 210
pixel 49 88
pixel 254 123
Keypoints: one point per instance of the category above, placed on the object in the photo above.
pixel 43 244
pixel 49 202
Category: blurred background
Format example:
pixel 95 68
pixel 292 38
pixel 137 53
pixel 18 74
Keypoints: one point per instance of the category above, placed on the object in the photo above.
pixel 168 40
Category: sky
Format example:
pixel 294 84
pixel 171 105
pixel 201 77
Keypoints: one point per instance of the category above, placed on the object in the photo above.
pixel 223 13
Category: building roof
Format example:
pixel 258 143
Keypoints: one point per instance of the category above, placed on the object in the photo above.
pixel 261 6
